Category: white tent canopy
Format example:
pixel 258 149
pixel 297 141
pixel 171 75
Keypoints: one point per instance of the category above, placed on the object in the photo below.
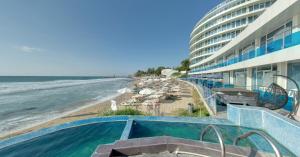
pixel 146 91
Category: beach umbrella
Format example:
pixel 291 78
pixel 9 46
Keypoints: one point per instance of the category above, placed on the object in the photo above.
pixel 155 96
pixel 147 102
pixel 146 91
pixel 113 105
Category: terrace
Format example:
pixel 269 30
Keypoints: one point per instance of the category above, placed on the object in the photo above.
pixel 246 131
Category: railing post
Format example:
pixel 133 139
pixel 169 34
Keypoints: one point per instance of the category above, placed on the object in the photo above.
pixel 219 135
pixel 263 135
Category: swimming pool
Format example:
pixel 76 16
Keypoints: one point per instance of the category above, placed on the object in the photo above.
pixel 73 142
pixel 80 138
pixel 192 131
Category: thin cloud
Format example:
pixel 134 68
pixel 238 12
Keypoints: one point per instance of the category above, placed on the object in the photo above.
pixel 29 49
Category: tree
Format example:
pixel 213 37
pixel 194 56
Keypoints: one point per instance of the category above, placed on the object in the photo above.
pixel 158 70
pixel 185 65
pixel 149 71
pixel 139 73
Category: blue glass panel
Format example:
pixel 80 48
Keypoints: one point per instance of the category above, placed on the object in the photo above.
pixel 251 54
pixel 292 40
pixel 275 45
pixel 261 51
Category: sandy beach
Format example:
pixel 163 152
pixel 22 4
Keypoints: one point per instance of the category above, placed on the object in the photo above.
pixel 89 112
pixel 166 108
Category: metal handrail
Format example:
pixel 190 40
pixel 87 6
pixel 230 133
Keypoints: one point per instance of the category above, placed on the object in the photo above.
pixel 220 138
pixel 263 135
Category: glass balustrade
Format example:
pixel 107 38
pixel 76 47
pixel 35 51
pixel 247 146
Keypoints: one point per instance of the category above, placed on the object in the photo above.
pixel 271 47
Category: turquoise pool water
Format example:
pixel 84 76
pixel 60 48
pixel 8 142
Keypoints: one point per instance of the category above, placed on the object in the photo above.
pixel 193 130
pixel 81 141
pixel 73 142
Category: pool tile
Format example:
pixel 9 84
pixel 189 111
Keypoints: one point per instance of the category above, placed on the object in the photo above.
pixel 281 128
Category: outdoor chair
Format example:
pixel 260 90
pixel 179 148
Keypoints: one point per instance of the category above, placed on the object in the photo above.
pixel 274 97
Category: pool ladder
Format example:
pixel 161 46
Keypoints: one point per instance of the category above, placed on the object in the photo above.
pixel 236 140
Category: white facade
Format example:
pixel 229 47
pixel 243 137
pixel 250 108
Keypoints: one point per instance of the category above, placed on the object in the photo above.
pixel 222 24
pixel 268 46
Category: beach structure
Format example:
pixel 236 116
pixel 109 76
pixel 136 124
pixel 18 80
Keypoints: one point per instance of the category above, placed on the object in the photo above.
pixel 113 105
pixel 168 72
pixel 250 45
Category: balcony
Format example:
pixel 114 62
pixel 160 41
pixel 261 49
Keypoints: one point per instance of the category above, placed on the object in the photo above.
pixel 272 47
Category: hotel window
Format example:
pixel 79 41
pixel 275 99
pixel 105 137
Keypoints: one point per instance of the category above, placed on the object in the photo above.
pixel 238 23
pixel 240 78
pixel 288 28
pixel 226 78
pixel 244 10
pixel 250 8
pixel 262 5
pixel 228 25
pixel 250 19
pixel 264 76
pixel 232 24
pixel 233 14
pixel 294 73
pixel 256 6
pixel 255 17
pixel 268 4
pixel 243 21
pixel 233 34
pixel 277 34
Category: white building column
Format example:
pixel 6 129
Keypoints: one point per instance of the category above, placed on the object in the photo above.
pixel 231 77
pixel 296 23
pixel 282 69
pixel 249 79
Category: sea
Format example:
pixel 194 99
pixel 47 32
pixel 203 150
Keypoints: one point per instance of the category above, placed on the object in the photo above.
pixel 26 101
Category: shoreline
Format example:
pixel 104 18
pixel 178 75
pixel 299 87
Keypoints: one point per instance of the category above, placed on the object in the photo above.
pixel 96 109
pixel 83 112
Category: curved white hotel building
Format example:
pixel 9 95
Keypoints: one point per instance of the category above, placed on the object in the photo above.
pixel 244 43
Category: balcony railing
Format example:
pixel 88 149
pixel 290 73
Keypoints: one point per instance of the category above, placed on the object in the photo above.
pixel 206 85
pixel 285 42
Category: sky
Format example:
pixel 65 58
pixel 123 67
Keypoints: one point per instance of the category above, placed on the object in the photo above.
pixel 95 37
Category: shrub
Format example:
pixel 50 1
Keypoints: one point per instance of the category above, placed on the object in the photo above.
pixel 126 111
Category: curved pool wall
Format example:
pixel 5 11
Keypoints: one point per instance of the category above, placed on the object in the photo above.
pixel 127 130
pixel 41 132
pixel 284 130
pixel 72 142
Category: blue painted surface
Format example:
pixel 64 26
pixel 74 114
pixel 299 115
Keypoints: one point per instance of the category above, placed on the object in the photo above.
pixel 250 119
pixel 130 121
pixel 127 130
pixel 206 92
pixel 272 47
pixel 78 141
pixel 283 129
pixel 35 134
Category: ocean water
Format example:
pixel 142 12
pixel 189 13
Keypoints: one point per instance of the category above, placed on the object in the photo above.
pixel 27 101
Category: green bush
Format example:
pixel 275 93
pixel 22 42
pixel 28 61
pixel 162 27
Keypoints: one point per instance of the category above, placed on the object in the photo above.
pixel 199 103
pixel 197 112
pixel 126 111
